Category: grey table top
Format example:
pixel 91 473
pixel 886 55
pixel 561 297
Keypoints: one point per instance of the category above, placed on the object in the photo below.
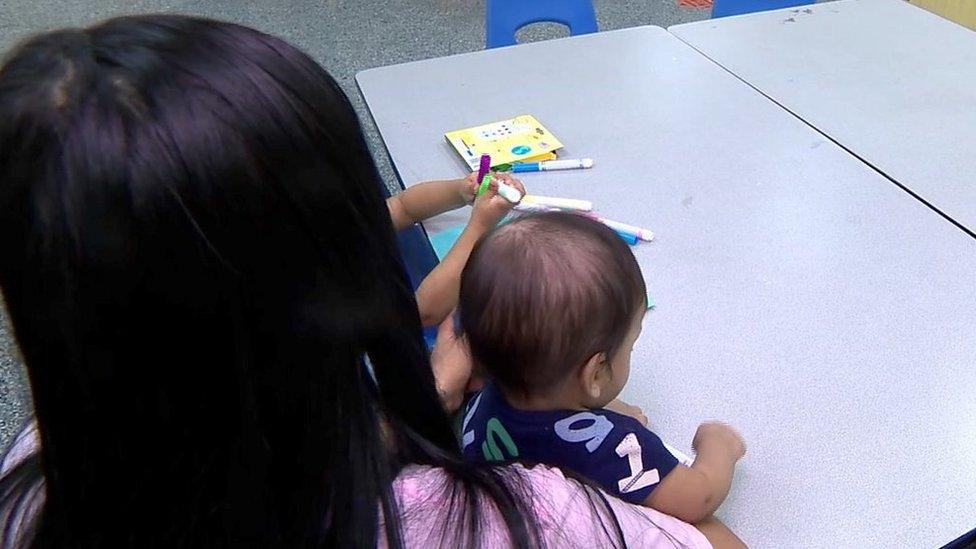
pixel 800 295
pixel 894 84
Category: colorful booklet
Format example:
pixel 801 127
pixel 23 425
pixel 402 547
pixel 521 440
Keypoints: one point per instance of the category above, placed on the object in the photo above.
pixel 519 139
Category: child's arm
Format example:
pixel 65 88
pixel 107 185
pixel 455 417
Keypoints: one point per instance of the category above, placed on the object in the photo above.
pixel 693 493
pixel 425 200
pixel 719 534
pixel 625 409
pixel 437 295
pixel 451 362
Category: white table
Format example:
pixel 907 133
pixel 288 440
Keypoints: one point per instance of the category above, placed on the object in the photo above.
pixel 894 84
pixel 800 295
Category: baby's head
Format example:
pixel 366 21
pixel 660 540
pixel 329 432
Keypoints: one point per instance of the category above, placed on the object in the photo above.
pixel 551 305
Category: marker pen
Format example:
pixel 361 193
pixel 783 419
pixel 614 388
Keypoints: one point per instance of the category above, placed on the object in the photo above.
pixel 560 203
pixel 627 237
pixel 679 455
pixel 505 191
pixel 509 193
pixel 640 233
pixel 551 165
pixel 527 207
pixel 483 167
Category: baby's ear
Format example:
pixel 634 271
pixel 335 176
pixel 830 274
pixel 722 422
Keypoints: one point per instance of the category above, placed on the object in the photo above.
pixel 593 374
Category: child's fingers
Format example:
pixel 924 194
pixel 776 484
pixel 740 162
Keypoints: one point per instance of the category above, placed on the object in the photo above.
pixel 492 189
pixel 507 179
pixel 518 185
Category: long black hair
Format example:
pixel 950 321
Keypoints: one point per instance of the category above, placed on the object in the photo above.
pixel 197 261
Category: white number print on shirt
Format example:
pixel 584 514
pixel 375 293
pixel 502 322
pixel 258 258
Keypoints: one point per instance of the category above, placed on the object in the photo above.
pixel 468 436
pixel 594 433
pixel 639 478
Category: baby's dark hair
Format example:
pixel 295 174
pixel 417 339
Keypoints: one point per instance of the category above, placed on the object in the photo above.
pixel 544 293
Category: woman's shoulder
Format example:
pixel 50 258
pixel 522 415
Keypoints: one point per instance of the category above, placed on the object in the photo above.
pixel 568 513
pixel 21 487
pixel 25 444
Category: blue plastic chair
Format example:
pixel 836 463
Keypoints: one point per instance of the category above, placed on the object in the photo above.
pixel 418 259
pixel 725 8
pixel 417 254
pixel 503 18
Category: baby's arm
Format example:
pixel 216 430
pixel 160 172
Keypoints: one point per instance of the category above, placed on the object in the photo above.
pixel 693 493
pixel 425 200
pixel 629 410
pixel 718 534
pixel 437 294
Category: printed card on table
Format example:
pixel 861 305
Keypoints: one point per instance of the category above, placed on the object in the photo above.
pixel 519 139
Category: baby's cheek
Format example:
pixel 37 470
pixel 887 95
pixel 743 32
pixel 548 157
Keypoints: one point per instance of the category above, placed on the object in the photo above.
pixel 625 371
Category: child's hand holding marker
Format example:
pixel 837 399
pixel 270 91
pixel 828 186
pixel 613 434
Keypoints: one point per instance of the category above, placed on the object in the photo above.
pixel 437 293
pixel 468 188
pixel 498 180
pixel 630 233
pixel 490 207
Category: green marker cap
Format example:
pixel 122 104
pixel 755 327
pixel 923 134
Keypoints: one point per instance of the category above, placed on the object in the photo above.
pixel 485 181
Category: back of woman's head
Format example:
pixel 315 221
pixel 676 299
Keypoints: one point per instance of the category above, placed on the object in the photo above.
pixel 195 256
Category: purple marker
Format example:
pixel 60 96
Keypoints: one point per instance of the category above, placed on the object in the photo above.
pixel 483 168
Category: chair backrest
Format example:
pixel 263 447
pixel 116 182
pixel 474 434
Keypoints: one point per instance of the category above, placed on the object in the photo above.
pixel 417 254
pixel 725 8
pixel 418 258
pixel 503 18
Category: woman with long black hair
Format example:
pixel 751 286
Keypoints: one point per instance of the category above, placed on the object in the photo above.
pixel 222 345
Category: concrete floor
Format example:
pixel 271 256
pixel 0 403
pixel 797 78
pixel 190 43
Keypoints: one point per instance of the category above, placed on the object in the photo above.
pixel 345 36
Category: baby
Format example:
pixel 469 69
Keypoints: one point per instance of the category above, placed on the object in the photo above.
pixel 551 306
pixel 438 292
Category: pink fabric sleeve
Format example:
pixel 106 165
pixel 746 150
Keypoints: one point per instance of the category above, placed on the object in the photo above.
pixel 563 507
pixel 26 443
pixel 18 517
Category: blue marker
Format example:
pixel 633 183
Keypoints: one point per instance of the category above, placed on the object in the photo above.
pixel 628 238
pixel 551 165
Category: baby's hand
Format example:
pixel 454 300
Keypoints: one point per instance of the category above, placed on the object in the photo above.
pixel 490 208
pixel 716 436
pixel 468 187
pixel 621 407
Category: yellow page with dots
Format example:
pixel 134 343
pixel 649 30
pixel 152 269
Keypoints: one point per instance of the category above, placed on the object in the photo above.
pixel 519 139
